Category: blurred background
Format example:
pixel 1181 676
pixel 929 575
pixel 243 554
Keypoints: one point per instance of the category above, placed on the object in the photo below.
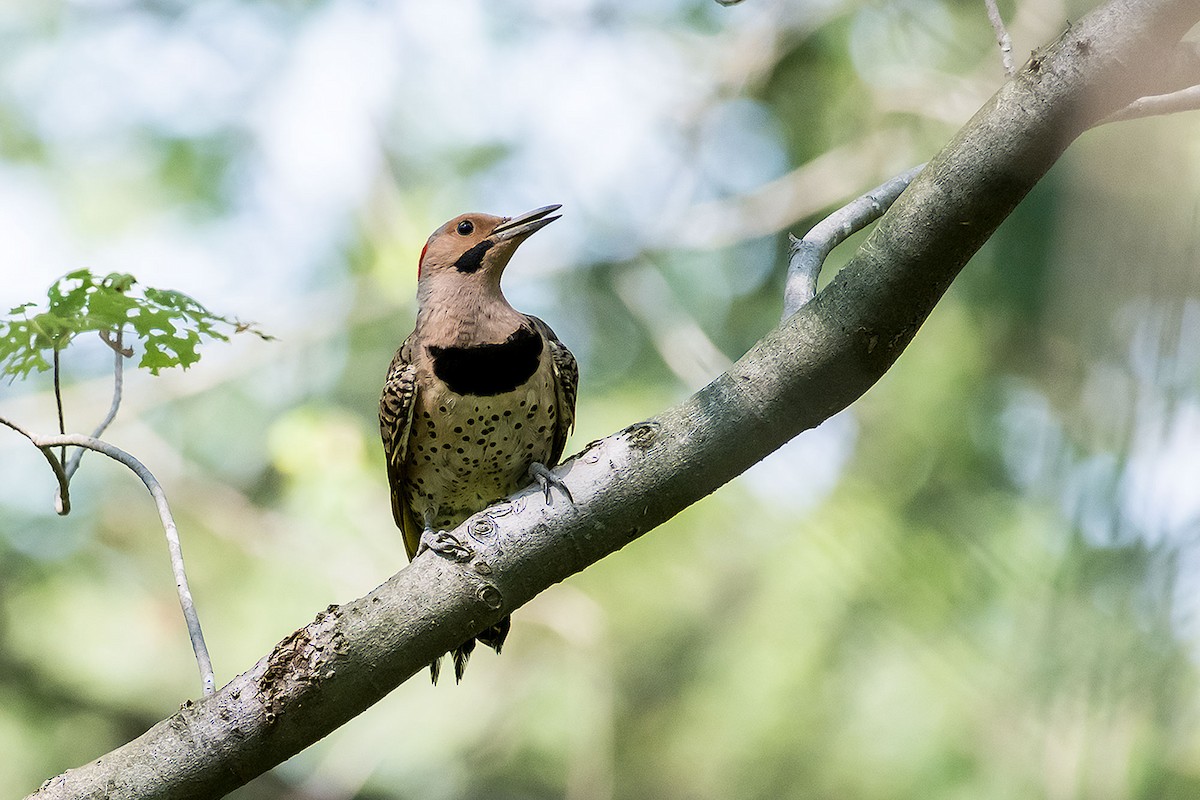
pixel 978 582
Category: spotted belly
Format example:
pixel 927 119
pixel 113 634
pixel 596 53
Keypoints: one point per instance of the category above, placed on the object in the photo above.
pixel 466 452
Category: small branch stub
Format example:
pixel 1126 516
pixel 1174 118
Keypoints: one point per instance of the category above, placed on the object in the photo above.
pixel 491 596
pixel 809 253
pixel 642 434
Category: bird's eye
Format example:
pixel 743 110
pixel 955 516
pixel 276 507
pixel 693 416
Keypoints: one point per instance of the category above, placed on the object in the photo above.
pixel 466 227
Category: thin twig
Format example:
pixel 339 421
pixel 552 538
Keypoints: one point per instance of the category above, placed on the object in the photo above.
pixel 1157 105
pixel 1002 37
pixel 47 443
pixel 62 428
pixel 173 546
pixel 62 499
pixel 809 253
pixel 119 354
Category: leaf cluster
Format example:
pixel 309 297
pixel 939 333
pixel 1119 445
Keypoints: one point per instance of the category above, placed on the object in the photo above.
pixel 169 324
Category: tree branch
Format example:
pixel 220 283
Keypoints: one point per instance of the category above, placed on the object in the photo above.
pixel 816 363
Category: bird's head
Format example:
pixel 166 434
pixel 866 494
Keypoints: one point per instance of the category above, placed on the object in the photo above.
pixel 479 244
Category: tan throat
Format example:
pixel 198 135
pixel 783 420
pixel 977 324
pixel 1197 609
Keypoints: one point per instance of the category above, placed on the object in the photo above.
pixel 460 313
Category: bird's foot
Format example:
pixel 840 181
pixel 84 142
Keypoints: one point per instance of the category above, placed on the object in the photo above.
pixel 445 544
pixel 545 479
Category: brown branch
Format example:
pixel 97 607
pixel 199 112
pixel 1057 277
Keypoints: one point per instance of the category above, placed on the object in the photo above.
pixel 816 363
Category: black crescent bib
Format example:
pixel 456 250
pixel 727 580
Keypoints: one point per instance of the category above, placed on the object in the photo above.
pixel 484 370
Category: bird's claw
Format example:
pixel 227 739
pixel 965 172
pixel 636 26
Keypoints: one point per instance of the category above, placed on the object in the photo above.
pixel 546 479
pixel 445 544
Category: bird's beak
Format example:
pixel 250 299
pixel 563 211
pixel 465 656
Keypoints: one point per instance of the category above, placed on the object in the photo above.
pixel 524 224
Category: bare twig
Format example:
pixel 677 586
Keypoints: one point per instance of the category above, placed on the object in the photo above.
pixel 173 546
pixel 1002 37
pixel 46 445
pixel 63 497
pixel 809 253
pixel 119 354
pixel 1157 105
pixel 62 456
pixel 686 349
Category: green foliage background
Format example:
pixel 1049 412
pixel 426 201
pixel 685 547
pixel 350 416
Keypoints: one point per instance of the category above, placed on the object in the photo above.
pixel 168 324
pixel 978 583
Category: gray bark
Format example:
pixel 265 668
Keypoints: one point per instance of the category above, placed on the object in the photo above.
pixel 814 364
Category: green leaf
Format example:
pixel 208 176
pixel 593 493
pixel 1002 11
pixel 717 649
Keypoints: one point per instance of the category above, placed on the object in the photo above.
pixel 119 281
pixel 170 325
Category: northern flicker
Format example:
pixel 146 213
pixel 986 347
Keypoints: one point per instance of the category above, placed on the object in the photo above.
pixel 479 398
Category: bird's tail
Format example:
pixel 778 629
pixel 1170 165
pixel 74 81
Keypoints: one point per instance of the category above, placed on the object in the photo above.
pixel 493 637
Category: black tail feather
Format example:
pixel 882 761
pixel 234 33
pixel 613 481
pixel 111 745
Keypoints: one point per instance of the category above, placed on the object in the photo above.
pixel 493 637
pixel 435 669
pixel 460 655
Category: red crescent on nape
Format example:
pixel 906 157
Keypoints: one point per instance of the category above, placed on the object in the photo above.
pixel 421 262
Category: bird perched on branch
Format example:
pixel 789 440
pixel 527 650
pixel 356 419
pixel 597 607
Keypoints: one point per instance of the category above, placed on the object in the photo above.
pixel 479 399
